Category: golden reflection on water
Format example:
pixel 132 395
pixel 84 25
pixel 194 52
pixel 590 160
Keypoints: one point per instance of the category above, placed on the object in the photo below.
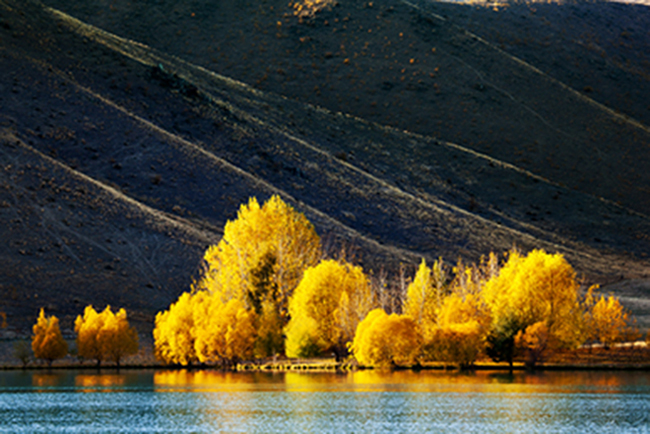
pixel 99 382
pixel 382 381
pixel 45 381
pixel 207 380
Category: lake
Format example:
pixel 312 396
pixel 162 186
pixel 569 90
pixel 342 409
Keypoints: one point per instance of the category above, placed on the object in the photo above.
pixel 355 402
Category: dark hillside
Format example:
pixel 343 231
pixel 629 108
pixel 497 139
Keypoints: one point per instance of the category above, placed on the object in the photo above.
pixel 122 162
pixel 576 113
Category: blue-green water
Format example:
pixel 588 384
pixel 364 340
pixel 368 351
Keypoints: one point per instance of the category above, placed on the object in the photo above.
pixel 208 402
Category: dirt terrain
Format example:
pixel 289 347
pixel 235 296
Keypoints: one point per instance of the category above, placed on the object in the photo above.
pixel 130 132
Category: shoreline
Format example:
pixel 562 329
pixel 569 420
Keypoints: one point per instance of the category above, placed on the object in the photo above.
pixel 335 368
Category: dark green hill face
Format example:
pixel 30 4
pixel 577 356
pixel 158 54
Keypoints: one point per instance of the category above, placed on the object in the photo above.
pixel 124 156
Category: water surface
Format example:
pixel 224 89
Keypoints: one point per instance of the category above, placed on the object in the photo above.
pixel 365 401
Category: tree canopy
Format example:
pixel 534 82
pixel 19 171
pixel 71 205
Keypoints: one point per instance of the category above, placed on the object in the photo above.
pixel 539 287
pixel 47 341
pixel 383 340
pixel 332 298
pixel 262 255
pixel 266 291
pixel 105 336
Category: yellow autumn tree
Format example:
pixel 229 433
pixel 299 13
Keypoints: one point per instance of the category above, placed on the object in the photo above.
pixel 47 342
pixel 385 341
pixel 539 287
pixel 461 331
pixel 425 294
pixel 118 338
pixel 87 327
pixel 223 332
pixel 606 320
pixel 451 316
pixel 331 300
pixel 173 332
pixel 105 336
pixel 260 260
pixel 534 341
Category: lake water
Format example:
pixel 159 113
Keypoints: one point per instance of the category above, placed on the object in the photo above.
pixel 357 402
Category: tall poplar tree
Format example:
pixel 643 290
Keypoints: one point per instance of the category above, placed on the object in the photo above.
pixel 47 342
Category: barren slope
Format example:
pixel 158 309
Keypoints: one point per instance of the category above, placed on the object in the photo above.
pixel 121 163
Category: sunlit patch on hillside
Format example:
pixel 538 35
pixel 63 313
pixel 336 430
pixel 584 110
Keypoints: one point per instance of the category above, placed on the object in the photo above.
pixel 309 8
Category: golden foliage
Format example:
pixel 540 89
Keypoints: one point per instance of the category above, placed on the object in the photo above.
pixel 47 342
pixel 425 293
pixel 173 333
pixel 240 305
pixel 606 320
pixel 263 278
pixel 260 260
pixel 457 343
pixel 383 340
pixel 452 318
pixel 538 287
pixel 332 298
pixel 88 329
pixel 201 327
pixel 223 332
pixel 459 336
pixel 105 335
pixel 120 339
pixel 263 252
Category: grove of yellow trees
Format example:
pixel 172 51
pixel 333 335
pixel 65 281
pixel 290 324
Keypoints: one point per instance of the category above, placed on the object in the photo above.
pixel 266 290
pixel 260 260
pixel 105 335
pixel 239 307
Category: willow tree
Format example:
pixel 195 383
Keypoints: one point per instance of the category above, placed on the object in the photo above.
pixel 385 341
pixel 331 300
pixel 47 342
pixel 537 288
pixel 260 260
